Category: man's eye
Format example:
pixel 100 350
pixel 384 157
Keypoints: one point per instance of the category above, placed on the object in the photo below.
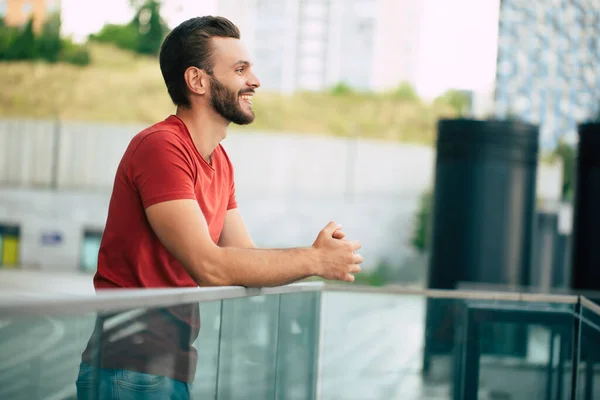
pixel 239 70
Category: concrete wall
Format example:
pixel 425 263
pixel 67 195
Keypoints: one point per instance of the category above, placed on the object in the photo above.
pixel 82 156
pixel 85 156
pixel 288 186
pixel 41 212
pixel 68 155
pixel 383 223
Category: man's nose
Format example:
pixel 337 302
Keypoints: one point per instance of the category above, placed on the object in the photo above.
pixel 253 81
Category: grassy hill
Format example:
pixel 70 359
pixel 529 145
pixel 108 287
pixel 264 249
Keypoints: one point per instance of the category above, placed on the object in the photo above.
pixel 123 87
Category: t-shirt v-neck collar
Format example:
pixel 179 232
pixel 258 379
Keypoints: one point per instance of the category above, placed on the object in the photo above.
pixel 189 137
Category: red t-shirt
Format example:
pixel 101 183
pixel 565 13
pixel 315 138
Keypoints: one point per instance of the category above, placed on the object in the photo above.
pixel 160 164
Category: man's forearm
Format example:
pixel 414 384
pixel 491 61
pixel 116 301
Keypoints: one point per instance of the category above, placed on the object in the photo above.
pixel 260 267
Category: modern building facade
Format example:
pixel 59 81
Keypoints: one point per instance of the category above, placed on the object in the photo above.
pixel 18 12
pixel 316 44
pixel 547 64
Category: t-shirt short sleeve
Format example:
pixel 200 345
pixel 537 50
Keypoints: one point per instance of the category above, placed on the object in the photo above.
pixel 232 204
pixel 161 170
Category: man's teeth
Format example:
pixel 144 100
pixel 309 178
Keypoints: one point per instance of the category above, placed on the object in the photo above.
pixel 246 97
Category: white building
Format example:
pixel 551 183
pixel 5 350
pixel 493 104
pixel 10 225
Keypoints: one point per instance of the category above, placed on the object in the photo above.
pixel 315 44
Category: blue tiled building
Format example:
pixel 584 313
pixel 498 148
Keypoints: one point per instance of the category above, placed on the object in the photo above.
pixel 548 66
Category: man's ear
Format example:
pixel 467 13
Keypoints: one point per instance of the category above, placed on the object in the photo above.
pixel 196 80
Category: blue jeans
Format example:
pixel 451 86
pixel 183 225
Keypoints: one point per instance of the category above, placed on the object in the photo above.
pixel 120 384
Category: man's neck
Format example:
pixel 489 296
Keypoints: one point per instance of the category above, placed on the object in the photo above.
pixel 206 128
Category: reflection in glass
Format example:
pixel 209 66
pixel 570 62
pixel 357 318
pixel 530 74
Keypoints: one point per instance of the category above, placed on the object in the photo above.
pixel 141 350
pixel 589 358
pixel 528 344
pixel 374 347
pixel 39 356
pixel 248 348
pixel 298 345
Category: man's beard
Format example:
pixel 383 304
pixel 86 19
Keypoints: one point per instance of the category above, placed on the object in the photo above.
pixel 226 103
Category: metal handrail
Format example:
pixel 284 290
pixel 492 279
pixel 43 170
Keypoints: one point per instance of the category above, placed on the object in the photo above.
pixel 455 294
pixel 590 305
pixel 126 299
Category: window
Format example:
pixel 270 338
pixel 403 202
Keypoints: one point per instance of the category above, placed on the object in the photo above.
pixel 9 246
pixel 89 250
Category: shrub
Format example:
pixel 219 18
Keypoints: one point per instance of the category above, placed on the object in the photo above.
pixel 21 44
pixel 75 54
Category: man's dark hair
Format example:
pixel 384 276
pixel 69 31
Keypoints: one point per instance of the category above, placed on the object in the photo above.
pixel 189 44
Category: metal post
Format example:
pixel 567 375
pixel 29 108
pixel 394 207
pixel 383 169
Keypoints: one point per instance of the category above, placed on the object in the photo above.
pixel 576 349
pixel 586 215
pixel 589 374
pixel 472 358
pixel 482 217
pixel 562 355
pixel 550 366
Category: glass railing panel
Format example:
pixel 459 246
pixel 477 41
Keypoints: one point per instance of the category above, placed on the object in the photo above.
pixel 372 348
pixel 298 346
pixel 158 352
pixel 527 343
pixel 248 348
pixel 236 348
pixel 40 355
pixel 414 346
pixel 588 370
pixel 207 346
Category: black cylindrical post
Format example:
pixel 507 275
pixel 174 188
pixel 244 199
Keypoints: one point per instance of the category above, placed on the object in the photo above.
pixel 561 273
pixel 542 274
pixel 586 212
pixel 482 216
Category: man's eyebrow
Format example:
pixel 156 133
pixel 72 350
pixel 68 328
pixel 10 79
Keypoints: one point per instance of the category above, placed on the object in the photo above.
pixel 242 62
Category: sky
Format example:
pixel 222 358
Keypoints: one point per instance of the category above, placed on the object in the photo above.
pixel 457 45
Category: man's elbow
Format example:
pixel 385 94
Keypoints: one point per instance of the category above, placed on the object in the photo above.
pixel 210 272
pixel 208 279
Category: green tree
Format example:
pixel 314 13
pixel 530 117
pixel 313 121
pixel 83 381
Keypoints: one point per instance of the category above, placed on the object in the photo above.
pixel 24 46
pixel 150 27
pixel 457 99
pixel 382 274
pixel 567 154
pixel 341 89
pixel 420 236
pixel 144 34
pixel 123 36
pixel 8 35
pixel 405 92
pixel 49 43
pixel 74 54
